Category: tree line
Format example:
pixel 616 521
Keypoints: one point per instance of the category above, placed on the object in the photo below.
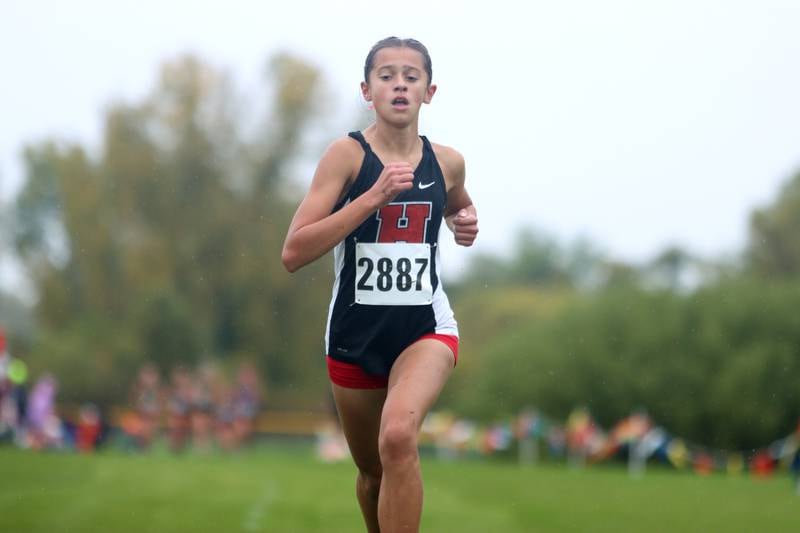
pixel 710 349
pixel 164 246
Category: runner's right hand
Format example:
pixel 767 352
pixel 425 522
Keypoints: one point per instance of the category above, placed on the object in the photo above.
pixel 395 178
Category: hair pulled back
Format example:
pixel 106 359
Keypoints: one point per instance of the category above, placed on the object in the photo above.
pixel 396 42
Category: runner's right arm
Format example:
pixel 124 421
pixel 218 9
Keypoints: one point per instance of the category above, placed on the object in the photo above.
pixel 314 229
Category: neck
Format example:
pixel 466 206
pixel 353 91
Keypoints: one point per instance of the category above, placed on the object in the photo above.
pixel 401 140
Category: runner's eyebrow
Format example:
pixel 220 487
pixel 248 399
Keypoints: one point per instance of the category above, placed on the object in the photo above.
pixel 405 68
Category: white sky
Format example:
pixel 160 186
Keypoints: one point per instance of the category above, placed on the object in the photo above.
pixel 636 124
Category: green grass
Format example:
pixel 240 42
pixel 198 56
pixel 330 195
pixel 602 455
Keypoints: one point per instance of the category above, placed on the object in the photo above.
pixel 279 489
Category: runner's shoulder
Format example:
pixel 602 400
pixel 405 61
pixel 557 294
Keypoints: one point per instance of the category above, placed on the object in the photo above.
pixel 345 145
pixel 344 156
pixel 450 159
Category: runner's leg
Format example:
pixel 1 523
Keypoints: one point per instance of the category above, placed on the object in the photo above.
pixel 360 415
pixel 415 382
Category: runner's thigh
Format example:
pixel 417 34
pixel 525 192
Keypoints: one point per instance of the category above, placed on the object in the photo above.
pixel 360 415
pixel 416 379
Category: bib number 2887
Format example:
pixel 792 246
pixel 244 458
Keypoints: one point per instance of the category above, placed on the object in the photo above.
pixel 393 274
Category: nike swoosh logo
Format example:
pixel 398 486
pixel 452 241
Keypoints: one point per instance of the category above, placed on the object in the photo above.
pixel 425 185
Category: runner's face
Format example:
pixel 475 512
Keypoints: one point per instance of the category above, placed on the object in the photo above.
pixel 398 84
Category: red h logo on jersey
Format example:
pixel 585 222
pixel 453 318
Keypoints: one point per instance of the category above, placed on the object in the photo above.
pixel 405 222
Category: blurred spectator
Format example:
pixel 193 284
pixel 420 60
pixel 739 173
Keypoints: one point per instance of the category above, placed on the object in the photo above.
pixel 89 428
pixel 796 471
pixel 179 409
pixel 248 398
pixel 13 376
pixel 762 465
pixel 703 463
pixel 525 433
pixel 18 374
pixel 224 414
pixel 796 460
pixel 582 432
pixel 203 406
pixel 331 443
pixel 8 410
pixel 146 399
pixel 44 428
pixel 556 441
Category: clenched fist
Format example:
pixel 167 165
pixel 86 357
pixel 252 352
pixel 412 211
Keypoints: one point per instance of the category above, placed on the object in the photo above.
pixel 465 226
pixel 395 178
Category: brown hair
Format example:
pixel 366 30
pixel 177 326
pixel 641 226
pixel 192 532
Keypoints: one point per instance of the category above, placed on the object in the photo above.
pixel 396 42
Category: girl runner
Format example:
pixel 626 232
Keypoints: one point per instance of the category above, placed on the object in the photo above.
pixel 378 198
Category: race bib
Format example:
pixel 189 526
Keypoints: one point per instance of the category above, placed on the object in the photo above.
pixel 393 274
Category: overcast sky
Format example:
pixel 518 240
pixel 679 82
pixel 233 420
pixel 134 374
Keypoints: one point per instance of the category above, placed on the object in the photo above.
pixel 636 124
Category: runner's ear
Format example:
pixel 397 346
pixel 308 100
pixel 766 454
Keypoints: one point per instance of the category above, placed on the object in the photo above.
pixel 429 92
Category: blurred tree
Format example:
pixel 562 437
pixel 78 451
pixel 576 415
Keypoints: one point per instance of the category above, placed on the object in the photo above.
pixel 774 246
pixel 618 274
pixel 669 267
pixel 536 260
pixel 168 247
pixel 485 314
pixel 584 263
pixel 718 366
pixel 17 321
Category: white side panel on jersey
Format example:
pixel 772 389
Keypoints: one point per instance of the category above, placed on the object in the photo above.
pixel 338 266
pixel 443 313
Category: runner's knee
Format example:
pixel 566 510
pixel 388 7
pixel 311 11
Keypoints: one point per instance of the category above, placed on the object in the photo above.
pixel 398 442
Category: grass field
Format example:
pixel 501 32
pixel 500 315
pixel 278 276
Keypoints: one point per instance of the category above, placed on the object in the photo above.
pixel 282 489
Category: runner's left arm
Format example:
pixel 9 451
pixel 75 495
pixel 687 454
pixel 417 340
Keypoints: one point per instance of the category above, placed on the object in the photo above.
pixel 461 216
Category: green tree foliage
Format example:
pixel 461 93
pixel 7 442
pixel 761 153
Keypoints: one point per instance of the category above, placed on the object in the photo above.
pixel 774 247
pixel 709 352
pixel 167 247
pixel 486 314
pixel 719 366
pixel 537 260
pixel 16 321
